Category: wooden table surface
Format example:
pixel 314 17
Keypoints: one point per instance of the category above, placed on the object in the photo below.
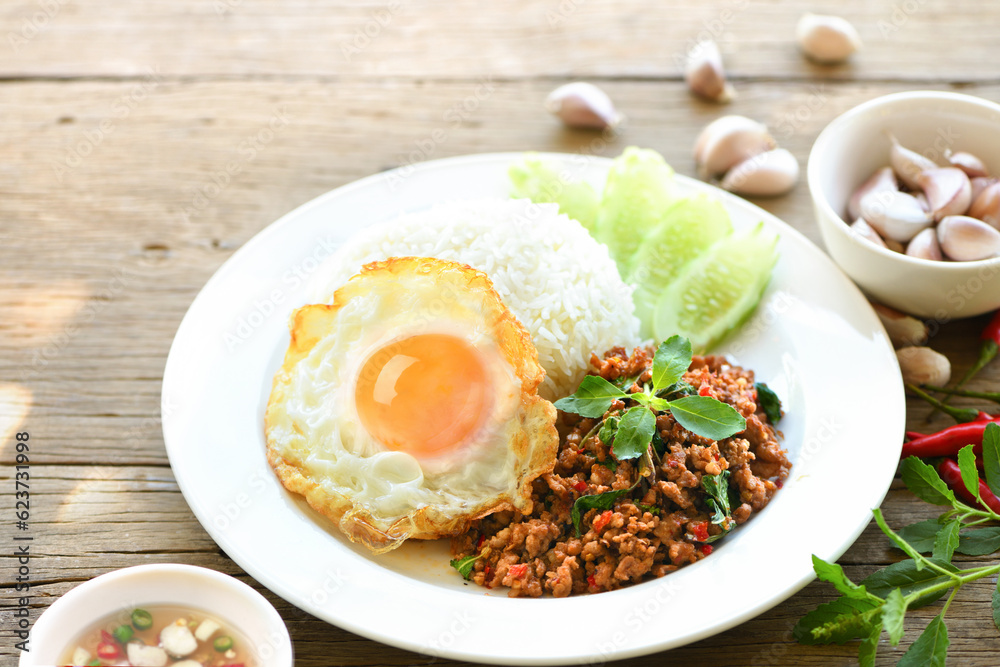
pixel 136 157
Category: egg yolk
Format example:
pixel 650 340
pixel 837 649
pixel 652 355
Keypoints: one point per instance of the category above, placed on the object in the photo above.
pixel 424 395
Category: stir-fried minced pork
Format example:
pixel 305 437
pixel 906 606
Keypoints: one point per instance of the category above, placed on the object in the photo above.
pixel 663 524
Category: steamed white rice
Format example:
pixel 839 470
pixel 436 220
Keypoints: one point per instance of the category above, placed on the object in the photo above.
pixel 557 280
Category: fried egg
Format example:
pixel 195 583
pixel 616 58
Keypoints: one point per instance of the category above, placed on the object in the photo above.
pixel 408 407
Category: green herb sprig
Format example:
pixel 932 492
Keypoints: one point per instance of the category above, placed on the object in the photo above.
pixel 633 432
pixel 717 490
pixel 881 601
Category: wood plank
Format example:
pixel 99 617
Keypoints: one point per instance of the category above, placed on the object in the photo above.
pixel 437 39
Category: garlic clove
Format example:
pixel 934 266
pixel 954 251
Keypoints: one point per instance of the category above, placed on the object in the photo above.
pixel 969 163
pixel 903 329
pixel 895 246
pixel 827 39
pixel 582 105
pixel 881 180
pixel 986 206
pixel 966 239
pixel 764 175
pixel 895 215
pixel 947 189
pixel 922 365
pixel 980 183
pixel 908 164
pixel 865 231
pixel 727 141
pixel 704 73
pixel 925 246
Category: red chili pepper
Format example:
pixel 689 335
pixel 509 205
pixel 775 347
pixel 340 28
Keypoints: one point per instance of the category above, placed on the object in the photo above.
pixel 948 441
pixel 671 463
pixel 706 549
pixel 591 581
pixel 580 486
pixel 705 390
pixel 952 476
pixel 602 520
pixel 518 570
pixel 109 650
pixel 479 542
pixel 700 530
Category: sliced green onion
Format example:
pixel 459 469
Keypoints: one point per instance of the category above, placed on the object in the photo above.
pixel 223 644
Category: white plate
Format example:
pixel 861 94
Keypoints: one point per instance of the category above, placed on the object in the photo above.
pixel 814 340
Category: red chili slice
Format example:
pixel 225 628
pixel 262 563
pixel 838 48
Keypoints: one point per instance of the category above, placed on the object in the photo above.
pixel 700 530
pixel 580 486
pixel 602 520
pixel 518 570
pixel 109 651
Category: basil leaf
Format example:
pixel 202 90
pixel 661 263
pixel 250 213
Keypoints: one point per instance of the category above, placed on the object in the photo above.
pixel 717 488
pixel 921 535
pixel 464 565
pixel 659 446
pixel 991 457
pixel 707 417
pixel 671 361
pixel 634 433
pixel 678 389
pixel 905 576
pixel 947 540
pixel 599 501
pixel 897 540
pixel 608 430
pixel 659 404
pixel 837 622
pixel 980 541
pixel 996 605
pixel 893 613
pixel 768 402
pixel 869 648
pixel 834 574
pixel 592 398
pixel 642 398
pixel 967 466
pixel 931 647
pixel 925 482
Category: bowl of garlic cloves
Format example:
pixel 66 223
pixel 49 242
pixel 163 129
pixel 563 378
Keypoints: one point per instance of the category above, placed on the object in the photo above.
pixel 906 191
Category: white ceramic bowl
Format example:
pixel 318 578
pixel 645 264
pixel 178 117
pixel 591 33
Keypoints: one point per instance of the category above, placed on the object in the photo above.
pixel 853 146
pixel 184 585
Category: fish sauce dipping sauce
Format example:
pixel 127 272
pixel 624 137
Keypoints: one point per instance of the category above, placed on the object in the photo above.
pixel 161 636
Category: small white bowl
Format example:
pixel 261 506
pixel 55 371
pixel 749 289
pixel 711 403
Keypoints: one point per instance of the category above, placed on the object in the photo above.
pixel 853 146
pixel 206 590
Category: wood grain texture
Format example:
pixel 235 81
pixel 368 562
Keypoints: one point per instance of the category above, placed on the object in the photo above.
pixel 144 144
pixel 904 39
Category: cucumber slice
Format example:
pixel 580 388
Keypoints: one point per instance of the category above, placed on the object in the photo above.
pixel 539 181
pixel 689 227
pixel 717 291
pixel 636 196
